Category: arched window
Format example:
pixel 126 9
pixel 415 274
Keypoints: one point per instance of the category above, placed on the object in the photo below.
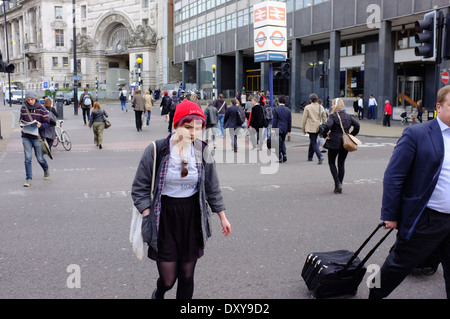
pixel 118 41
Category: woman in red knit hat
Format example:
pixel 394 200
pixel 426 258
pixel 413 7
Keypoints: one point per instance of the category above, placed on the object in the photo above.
pixel 176 223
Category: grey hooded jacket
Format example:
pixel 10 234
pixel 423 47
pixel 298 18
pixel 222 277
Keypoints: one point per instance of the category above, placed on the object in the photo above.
pixel 210 195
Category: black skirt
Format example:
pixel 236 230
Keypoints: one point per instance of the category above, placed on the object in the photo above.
pixel 180 234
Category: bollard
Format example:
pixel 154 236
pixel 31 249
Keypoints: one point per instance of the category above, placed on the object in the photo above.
pixel 60 109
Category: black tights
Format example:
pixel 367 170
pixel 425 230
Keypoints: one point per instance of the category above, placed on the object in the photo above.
pixel 339 171
pixel 169 272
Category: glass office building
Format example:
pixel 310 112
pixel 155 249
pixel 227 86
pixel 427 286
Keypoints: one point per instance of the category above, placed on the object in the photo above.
pixel 336 48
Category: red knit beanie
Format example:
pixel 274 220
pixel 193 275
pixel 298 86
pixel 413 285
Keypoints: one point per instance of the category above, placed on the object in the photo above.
pixel 187 108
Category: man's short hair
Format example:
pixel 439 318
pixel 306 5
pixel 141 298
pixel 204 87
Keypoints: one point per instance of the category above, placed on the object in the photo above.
pixel 313 97
pixel 442 94
pixel 282 99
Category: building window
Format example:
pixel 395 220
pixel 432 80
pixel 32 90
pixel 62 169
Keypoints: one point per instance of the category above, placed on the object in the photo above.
pixel 201 6
pixel 405 39
pixel 353 47
pixel 243 17
pixel 83 12
pixel 202 31
pixel 193 9
pixel 220 25
pixel 55 61
pixel 210 4
pixel 144 3
pixel 65 61
pixel 59 35
pixel 58 12
pixel 231 21
pixel 193 33
pixel 210 28
pixel 118 41
pixel 185 13
pixel 185 36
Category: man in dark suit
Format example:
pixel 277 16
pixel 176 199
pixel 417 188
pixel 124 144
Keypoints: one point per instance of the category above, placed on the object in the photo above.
pixel 232 121
pixel 282 120
pixel 256 121
pixel 416 199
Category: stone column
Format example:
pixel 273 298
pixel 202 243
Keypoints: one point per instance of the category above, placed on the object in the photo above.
pixel 386 67
pixel 334 76
pixel 294 88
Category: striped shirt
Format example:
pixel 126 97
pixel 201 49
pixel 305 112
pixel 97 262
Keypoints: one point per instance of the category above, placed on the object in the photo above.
pixel 39 113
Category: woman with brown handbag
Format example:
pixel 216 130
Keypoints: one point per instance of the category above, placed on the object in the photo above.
pixel 334 142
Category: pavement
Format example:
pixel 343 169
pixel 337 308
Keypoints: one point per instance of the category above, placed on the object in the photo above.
pixel 279 214
pixel 371 128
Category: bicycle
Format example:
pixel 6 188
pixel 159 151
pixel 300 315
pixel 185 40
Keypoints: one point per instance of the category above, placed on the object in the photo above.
pixel 62 136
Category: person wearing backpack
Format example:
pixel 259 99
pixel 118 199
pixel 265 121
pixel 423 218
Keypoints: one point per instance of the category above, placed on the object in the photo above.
pixel 268 117
pixel 86 102
pixel 123 99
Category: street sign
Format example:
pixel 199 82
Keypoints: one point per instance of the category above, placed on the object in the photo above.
pixel 445 77
pixel 270 56
pixel 269 13
pixel 269 31
pixel 45 85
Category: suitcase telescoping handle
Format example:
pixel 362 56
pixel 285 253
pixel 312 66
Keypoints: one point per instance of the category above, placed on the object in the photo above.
pixel 370 253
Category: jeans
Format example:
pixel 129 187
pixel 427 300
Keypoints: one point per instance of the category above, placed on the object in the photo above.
pixel 233 135
pixel 28 145
pixel 221 118
pixel 123 104
pixel 149 114
pixel 313 146
pixel 86 113
pixel 371 112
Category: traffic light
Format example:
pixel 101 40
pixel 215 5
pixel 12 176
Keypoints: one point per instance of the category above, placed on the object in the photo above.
pixel 6 67
pixel 446 54
pixel 426 36
pixel 286 70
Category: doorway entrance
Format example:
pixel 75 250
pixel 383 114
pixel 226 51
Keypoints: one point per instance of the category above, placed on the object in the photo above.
pixel 411 86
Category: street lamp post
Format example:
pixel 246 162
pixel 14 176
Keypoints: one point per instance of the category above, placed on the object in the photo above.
pixel 139 61
pixel 214 82
pixel 7 52
pixel 75 64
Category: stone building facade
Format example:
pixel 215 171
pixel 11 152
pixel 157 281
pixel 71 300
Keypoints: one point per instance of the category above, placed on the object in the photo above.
pixel 110 37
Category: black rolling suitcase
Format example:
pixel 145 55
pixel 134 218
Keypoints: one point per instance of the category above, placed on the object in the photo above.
pixel 339 272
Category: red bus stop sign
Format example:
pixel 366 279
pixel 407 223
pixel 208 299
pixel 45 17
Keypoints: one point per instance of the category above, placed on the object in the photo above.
pixel 445 77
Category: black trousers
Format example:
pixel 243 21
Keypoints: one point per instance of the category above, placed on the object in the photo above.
pixel 138 120
pixel 338 171
pixel 431 233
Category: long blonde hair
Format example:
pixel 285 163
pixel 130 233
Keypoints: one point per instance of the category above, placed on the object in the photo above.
pixel 338 104
pixel 97 106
